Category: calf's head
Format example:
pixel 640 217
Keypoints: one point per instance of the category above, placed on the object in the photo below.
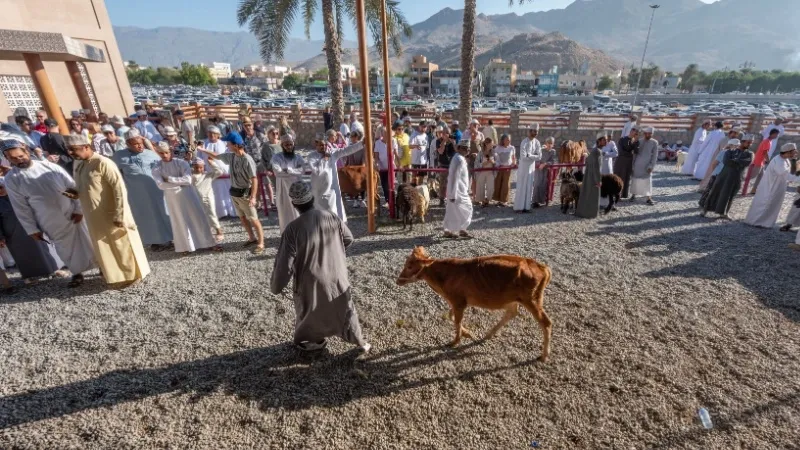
pixel 414 266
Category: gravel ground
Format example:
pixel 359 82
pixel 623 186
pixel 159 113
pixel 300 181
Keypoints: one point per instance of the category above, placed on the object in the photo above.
pixel 656 312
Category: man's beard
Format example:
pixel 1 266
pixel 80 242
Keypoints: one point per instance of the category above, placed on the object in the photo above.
pixel 288 152
pixel 23 165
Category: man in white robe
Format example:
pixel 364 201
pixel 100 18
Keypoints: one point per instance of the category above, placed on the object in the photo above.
pixel 146 128
pixel 325 176
pixel 768 200
pixel 626 129
pixel 700 137
pixel 609 152
pixel 202 182
pixel 222 197
pixel 706 153
pixel 530 151
pixel 36 190
pixel 644 162
pixel 288 167
pixel 190 228
pixel 458 209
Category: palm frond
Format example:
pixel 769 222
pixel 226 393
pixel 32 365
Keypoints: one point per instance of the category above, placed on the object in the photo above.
pixel 271 22
pixel 519 2
pixel 396 24
pixel 309 10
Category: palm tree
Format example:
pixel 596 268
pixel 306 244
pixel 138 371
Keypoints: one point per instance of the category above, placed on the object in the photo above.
pixel 468 57
pixel 271 22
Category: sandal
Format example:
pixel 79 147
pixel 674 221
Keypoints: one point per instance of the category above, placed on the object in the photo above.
pixel 449 235
pixel 258 250
pixel 249 243
pixel 217 248
pixel 464 234
pixel 77 280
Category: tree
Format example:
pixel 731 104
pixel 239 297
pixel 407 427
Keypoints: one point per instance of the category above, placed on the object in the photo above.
pixel 292 82
pixel 605 83
pixel 322 74
pixel 690 77
pixel 271 22
pixel 196 75
pixel 467 61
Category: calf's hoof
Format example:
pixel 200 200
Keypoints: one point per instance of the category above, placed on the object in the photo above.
pixel 454 342
pixel 542 358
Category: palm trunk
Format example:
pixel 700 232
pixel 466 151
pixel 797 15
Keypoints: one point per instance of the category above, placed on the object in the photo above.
pixel 334 55
pixel 467 61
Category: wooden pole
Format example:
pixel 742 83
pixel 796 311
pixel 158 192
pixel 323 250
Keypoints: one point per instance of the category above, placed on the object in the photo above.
pixel 388 113
pixel 368 143
pixel 45 90
pixel 80 86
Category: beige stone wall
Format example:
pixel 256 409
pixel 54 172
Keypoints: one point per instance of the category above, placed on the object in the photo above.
pixel 86 21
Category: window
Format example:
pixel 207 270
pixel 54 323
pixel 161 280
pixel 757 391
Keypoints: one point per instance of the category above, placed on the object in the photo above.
pixel 20 92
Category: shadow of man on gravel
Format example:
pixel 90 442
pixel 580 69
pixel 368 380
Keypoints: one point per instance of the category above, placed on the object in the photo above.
pixel 278 376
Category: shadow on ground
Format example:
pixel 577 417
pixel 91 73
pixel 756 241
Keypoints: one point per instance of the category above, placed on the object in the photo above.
pixel 276 377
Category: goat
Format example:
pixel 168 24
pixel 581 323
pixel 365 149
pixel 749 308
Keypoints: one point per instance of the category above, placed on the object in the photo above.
pixel 570 191
pixel 611 187
pixel 489 282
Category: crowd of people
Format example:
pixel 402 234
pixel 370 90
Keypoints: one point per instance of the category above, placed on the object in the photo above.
pixel 96 197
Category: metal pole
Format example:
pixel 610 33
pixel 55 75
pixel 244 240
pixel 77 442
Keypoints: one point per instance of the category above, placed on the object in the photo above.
pixel 641 66
pixel 362 57
pixel 387 138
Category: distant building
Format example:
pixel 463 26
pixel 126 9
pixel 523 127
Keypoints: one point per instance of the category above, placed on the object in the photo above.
pixel 501 77
pixel 666 84
pixel 574 83
pixel 448 82
pixel 68 46
pixel 348 72
pixel 547 84
pixel 421 69
pixel 220 70
pixel 526 83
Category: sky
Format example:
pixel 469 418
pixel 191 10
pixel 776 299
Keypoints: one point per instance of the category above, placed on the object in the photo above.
pixel 211 15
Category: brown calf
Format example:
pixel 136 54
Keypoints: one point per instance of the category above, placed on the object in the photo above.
pixel 353 181
pixel 490 282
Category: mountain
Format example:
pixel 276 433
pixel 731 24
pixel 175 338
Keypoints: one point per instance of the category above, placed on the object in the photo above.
pixel 540 51
pixel 169 46
pixel 725 33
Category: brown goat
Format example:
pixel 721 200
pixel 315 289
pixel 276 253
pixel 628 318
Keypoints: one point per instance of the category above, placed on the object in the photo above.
pixel 489 282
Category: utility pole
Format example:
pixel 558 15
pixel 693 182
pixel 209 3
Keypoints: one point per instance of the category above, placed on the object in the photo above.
pixel 641 66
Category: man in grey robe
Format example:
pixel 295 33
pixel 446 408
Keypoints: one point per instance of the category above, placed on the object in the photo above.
pixel 540 179
pixel 729 181
pixel 146 200
pixel 589 200
pixel 644 161
pixel 312 249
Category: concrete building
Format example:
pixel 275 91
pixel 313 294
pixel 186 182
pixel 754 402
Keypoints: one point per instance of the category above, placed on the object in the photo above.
pixel 448 82
pixel 348 72
pixel 60 56
pixel 420 80
pixel 220 70
pixel 547 84
pixel 665 83
pixel 501 77
pixel 574 83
